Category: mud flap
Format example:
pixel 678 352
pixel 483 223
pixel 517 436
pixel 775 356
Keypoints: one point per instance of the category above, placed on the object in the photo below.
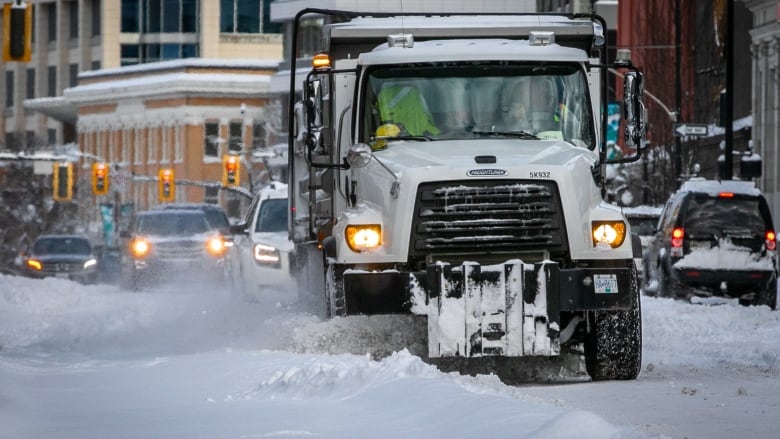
pixel 508 309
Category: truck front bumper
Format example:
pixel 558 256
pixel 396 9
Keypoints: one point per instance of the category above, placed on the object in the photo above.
pixel 509 309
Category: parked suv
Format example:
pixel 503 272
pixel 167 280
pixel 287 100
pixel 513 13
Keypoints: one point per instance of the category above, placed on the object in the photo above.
pixel 168 244
pixel 715 239
pixel 260 256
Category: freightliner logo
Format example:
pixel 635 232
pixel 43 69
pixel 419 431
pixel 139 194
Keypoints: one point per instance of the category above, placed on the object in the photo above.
pixel 486 172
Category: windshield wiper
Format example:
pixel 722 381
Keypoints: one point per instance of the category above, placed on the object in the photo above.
pixel 518 134
pixel 418 138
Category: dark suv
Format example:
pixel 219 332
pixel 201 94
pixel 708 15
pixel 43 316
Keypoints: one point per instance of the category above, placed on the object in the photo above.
pixel 168 244
pixel 715 239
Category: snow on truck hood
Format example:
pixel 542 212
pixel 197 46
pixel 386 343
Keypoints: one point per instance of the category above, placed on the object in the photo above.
pixel 509 153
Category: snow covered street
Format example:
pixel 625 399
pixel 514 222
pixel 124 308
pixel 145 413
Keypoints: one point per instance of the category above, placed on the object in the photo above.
pixel 96 361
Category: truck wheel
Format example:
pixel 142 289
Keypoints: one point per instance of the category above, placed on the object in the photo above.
pixel 613 346
pixel 334 291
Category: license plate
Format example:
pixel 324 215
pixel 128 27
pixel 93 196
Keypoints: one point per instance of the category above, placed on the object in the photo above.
pixel 605 283
pixel 61 275
pixel 700 244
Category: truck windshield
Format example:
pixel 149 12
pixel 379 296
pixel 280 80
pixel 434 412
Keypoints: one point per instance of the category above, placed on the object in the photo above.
pixel 465 101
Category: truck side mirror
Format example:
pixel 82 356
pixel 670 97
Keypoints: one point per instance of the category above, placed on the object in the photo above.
pixel 634 111
pixel 314 102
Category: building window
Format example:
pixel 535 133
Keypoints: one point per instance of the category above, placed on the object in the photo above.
pixel 51 14
pixel 74 75
pixel 9 89
pixel 30 84
pixel 258 136
pixel 211 140
pixel 137 158
pixel 131 19
pixel 73 11
pixel 240 16
pixel 51 136
pixel 130 54
pixel 236 143
pixel 211 195
pixel 95 65
pixel 96 13
pixel 51 81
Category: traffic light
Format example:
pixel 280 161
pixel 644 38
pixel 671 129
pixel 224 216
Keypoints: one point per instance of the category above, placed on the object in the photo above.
pixel 100 178
pixel 17 31
pixel 166 184
pixel 62 181
pixel 231 170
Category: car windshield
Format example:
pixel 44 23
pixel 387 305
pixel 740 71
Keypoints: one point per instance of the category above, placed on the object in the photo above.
pixel 61 246
pixel 173 224
pixel 708 214
pixel 478 100
pixel 272 216
pixel 217 219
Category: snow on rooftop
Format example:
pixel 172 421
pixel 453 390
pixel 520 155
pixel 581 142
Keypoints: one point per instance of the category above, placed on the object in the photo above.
pixel 183 63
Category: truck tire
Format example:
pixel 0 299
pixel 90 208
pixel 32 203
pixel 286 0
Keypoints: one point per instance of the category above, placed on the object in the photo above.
pixel 613 346
pixel 334 291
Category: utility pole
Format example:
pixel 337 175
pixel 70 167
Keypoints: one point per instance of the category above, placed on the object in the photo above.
pixel 677 90
pixel 728 172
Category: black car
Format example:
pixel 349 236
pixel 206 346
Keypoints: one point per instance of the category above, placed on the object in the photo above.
pixel 64 256
pixel 172 244
pixel 715 239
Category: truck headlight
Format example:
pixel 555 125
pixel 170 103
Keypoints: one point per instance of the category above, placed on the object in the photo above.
pixel 611 233
pixel 34 264
pixel 90 263
pixel 140 248
pixel 215 246
pixel 364 237
pixel 266 255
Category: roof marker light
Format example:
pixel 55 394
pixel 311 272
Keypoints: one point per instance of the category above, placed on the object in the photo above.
pixel 538 38
pixel 726 195
pixel 400 40
pixel 321 61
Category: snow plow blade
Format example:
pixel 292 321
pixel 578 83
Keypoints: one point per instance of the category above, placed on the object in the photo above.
pixel 506 309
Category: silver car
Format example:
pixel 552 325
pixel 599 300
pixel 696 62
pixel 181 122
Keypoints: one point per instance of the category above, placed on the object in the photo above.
pixel 259 260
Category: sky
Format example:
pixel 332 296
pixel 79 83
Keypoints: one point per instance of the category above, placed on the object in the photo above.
pixel 188 361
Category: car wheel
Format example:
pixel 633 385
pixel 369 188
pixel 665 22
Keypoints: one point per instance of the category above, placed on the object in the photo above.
pixel 767 296
pixel 668 286
pixel 613 346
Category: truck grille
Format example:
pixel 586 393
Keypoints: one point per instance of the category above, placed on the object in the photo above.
pixel 487 216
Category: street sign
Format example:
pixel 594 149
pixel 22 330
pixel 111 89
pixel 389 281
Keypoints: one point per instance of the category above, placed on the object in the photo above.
pixel 690 129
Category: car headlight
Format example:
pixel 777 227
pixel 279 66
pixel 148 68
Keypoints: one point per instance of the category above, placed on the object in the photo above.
pixel 140 248
pixel 266 255
pixel 215 246
pixel 363 237
pixel 34 264
pixel 90 263
pixel 611 233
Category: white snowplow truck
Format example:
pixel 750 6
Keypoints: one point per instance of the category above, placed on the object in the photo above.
pixel 451 166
